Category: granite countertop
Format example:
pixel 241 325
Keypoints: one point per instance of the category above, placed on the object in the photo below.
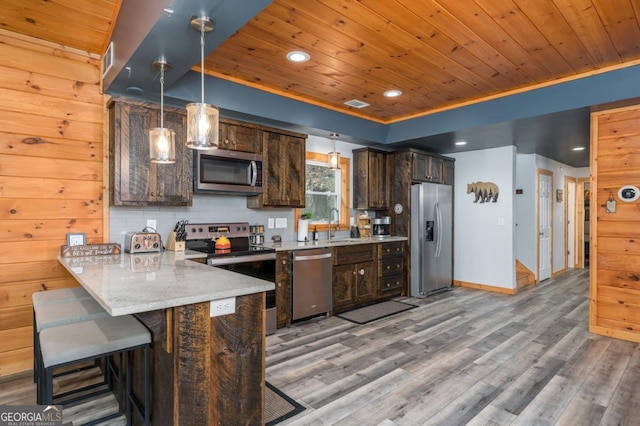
pixel 294 245
pixel 133 283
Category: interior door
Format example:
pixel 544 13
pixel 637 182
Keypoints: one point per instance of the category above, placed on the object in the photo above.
pixel 544 226
pixel 570 202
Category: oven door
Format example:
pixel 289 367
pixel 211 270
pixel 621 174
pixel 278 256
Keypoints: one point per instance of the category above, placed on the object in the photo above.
pixel 262 266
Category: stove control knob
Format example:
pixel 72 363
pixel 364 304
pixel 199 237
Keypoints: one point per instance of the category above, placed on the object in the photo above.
pixel 193 230
pixel 199 229
pixel 137 246
pixel 155 245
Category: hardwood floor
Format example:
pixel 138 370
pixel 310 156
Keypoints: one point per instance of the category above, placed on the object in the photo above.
pixel 463 357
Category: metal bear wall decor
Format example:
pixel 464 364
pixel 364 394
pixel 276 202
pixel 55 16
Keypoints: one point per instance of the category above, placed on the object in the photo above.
pixel 484 191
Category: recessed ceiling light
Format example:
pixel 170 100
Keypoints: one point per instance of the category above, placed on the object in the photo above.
pixel 579 148
pixel 298 56
pixel 394 93
pixel 460 143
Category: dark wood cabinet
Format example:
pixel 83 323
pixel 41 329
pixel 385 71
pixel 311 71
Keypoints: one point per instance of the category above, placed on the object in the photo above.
pixel 370 179
pixel 448 172
pixel 391 271
pixel 284 171
pixel 283 289
pixel 354 276
pixel 238 136
pixel 426 168
pixel 135 181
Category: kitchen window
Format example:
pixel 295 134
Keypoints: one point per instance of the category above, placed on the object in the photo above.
pixel 325 189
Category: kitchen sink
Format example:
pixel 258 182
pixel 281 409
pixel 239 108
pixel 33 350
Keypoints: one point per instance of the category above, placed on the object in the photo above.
pixel 345 240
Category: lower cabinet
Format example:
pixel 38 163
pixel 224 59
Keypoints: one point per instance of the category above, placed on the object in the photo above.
pixel 284 296
pixel 390 258
pixel 354 276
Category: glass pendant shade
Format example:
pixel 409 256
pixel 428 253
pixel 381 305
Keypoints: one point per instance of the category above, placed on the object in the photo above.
pixel 162 145
pixel 333 158
pixel 202 126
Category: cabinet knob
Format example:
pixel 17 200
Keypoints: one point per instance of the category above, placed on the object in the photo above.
pixel 398 266
pixel 388 250
pixel 284 262
pixel 361 271
pixel 162 194
pixel 226 141
pixel 153 194
pixel 388 285
pixel 279 284
pixel 388 267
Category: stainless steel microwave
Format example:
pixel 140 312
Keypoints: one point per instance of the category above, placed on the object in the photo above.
pixel 225 171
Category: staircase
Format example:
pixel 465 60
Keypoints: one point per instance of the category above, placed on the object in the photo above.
pixel 524 276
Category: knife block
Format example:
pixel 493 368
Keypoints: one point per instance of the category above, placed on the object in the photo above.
pixel 174 245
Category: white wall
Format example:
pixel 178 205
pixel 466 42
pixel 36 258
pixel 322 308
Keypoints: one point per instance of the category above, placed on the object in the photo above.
pixel 483 246
pixel 217 208
pixel 526 232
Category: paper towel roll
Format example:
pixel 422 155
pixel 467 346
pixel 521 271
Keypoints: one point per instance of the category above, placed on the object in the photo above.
pixel 303 230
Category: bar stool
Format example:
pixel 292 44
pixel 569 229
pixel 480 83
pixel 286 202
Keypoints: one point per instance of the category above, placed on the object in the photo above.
pixel 42 298
pixel 56 314
pixel 89 340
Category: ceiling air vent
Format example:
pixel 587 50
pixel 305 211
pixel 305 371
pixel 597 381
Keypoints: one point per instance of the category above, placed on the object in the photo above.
pixel 356 103
pixel 107 60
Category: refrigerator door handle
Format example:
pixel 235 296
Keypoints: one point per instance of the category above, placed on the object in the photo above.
pixel 438 230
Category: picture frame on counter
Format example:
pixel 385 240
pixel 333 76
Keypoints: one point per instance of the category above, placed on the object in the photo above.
pixel 76 239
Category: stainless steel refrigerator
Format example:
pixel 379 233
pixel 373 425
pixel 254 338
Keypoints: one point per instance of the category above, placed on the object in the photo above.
pixel 431 238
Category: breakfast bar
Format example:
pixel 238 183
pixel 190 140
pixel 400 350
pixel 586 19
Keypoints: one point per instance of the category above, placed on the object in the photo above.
pixel 206 368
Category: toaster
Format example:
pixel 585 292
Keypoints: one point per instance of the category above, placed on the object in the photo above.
pixel 142 242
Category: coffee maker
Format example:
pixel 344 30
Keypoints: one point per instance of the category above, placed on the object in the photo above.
pixel 381 227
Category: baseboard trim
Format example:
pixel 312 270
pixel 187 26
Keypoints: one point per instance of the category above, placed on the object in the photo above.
pixel 485 287
pixel 617 334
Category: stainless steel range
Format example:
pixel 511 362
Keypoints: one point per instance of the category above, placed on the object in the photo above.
pixel 242 257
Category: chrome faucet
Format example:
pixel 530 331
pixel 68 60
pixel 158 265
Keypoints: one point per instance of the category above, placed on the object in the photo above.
pixel 330 234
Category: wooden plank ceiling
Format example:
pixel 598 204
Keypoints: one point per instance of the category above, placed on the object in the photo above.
pixel 440 53
pixel 81 24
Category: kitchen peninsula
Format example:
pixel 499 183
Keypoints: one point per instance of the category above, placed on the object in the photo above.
pixel 205 369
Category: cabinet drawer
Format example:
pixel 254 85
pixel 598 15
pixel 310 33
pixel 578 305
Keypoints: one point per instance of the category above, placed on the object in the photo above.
pixel 389 266
pixel 353 254
pixel 392 247
pixel 391 283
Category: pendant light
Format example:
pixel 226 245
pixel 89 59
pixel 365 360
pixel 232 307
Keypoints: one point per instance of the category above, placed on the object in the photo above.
pixel 333 158
pixel 162 142
pixel 202 118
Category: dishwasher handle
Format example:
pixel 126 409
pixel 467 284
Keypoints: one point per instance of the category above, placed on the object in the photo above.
pixel 297 258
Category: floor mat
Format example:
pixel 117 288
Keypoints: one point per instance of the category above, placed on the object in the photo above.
pixel 278 406
pixel 375 312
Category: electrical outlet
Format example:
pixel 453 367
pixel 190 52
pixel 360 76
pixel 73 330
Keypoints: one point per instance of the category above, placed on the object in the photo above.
pixel 270 224
pixel 281 222
pixel 152 223
pixel 222 307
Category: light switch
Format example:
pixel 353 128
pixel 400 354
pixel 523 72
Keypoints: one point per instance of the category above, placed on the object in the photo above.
pixel 501 221
pixel 270 224
pixel 281 222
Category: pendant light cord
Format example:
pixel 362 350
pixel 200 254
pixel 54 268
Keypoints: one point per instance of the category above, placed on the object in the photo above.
pixel 202 26
pixel 162 96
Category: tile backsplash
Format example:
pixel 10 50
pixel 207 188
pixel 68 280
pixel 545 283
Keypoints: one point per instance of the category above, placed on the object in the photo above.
pixel 205 209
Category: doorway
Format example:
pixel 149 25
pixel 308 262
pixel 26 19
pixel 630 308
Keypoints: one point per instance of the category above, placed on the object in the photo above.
pixel 582 217
pixel 571 224
pixel 545 224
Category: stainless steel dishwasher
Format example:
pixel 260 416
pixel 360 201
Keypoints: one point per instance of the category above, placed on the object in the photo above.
pixel 312 293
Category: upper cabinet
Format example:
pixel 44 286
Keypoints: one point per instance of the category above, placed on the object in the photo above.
pixel 371 179
pixel 284 170
pixel 426 168
pixel 238 136
pixel 135 181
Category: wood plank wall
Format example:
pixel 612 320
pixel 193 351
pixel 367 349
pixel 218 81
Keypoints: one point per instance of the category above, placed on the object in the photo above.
pixel 615 237
pixel 51 176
